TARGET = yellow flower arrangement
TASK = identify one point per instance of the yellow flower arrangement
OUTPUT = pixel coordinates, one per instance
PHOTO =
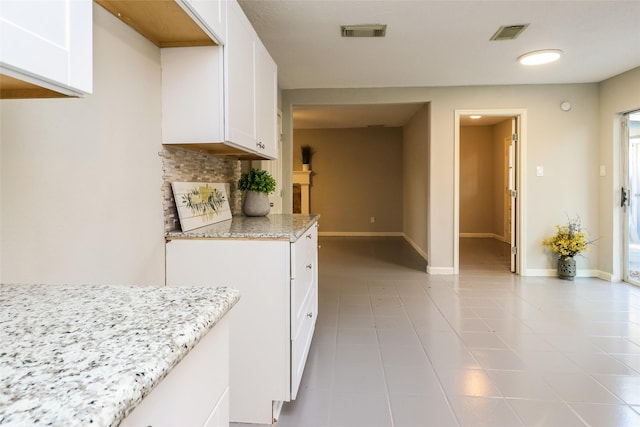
(569, 240)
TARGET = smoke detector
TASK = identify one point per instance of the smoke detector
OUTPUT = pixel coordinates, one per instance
(509, 32)
(369, 30)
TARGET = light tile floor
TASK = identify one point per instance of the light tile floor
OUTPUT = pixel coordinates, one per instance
(396, 347)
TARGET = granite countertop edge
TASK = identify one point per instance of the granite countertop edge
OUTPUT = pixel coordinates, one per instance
(100, 349)
(272, 227)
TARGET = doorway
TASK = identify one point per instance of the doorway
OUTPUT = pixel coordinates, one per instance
(487, 185)
(630, 197)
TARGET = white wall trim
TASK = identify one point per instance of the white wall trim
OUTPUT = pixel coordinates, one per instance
(361, 233)
(521, 162)
(609, 277)
(440, 271)
(483, 236)
(413, 244)
(552, 272)
(541, 272)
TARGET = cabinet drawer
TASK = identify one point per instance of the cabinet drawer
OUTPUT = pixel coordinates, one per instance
(302, 288)
(304, 266)
(306, 245)
(301, 342)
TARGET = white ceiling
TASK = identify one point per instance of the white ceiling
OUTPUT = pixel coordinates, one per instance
(444, 43)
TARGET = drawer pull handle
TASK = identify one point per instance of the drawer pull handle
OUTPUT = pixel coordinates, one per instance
(310, 315)
(309, 266)
(308, 236)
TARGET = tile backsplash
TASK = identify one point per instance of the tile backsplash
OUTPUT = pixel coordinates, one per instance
(183, 165)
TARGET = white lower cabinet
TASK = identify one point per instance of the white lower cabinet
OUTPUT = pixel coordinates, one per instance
(220, 415)
(272, 326)
(195, 392)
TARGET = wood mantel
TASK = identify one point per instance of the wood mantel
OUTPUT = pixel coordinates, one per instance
(303, 179)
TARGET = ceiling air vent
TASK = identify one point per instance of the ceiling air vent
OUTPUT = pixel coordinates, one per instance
(376, 30)
(509, 32)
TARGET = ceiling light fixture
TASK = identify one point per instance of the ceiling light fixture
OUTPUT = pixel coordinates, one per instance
(540, 57)
(475, 117)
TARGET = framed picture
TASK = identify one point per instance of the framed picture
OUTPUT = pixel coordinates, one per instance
(200, 203)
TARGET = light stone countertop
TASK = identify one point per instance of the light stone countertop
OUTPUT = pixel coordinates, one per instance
(87, 355)
(275, 227)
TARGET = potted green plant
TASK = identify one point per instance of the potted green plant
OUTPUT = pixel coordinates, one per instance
(257, 185)
(570, 240)
(307, 153)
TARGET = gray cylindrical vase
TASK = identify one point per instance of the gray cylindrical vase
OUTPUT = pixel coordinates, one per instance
(566, 268)
(255, 203)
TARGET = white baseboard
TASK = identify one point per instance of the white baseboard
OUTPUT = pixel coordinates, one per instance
(540, 272)
(413, 244)
(552, 272)
(608, 276)
(440, 270)
(482, 236)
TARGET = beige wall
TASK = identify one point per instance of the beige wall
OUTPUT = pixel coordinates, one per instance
(80, 197)
(415, 179)
(501, 131)
(81, 178)
(482, 180)
(357, 174)
(566, 144)
(477, 184)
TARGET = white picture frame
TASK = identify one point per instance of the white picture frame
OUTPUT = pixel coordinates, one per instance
(200, 203)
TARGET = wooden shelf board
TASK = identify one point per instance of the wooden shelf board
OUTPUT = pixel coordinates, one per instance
(219, 149)
(163, 22)
(12, 88)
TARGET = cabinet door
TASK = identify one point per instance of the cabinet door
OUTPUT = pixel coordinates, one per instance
(193, 389)
(220, 415)
(239, 53)
(266, 103)
(48, 43)
(209, 14)
(192, 95)
(260, 369)
(304, 301)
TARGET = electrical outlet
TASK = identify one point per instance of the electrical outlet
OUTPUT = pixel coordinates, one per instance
(373, 219)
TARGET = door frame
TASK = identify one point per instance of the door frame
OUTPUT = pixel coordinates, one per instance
(625, 138)
(520, 178)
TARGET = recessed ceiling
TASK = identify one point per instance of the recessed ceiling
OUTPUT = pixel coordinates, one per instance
(353, 116)
(482, 121)
(444, 43)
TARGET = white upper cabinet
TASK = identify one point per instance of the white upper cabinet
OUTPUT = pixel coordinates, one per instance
(239, 55)
(222, 99)
(210, 14)
(266, 102)
(192, 95)
(46, 48)
(252, 86)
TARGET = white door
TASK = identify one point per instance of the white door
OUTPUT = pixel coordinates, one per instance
(513, 193)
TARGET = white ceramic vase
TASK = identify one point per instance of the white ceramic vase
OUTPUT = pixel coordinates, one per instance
(255, 203)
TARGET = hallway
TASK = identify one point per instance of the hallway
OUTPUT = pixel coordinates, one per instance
(484, 256)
